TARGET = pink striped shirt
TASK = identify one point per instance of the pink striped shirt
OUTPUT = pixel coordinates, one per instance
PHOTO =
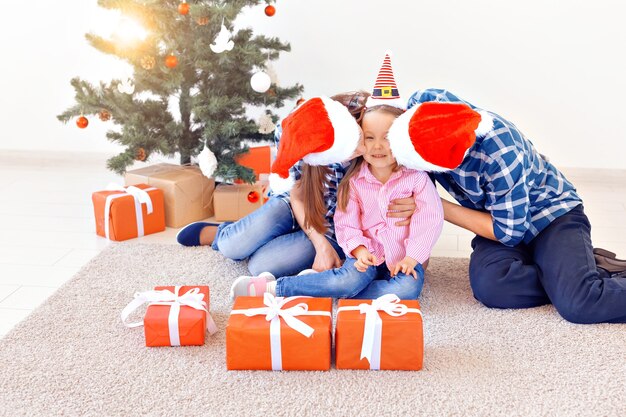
(365, 220)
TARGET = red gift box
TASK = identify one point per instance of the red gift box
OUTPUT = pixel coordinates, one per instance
(385, 333)
(130, 212)
(176, 316)
(258, 159)
(276, 333)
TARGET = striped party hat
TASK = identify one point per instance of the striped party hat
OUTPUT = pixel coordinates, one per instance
(385, 89)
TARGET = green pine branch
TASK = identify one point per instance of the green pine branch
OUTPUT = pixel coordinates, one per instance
(202, 100)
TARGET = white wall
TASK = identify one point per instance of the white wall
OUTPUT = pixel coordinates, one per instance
(554, 68)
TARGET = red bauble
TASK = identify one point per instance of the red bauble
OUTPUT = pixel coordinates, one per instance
(270, 10)
(183, 8)
(253, 197)
(82, 122)
(171, 61)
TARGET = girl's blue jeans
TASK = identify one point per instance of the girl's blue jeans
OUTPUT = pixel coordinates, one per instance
(271, 239)
(348, 282)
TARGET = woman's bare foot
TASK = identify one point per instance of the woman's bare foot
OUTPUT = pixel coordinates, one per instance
(207, 235)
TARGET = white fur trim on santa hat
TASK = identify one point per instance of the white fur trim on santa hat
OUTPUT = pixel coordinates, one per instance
(346, 137)
(281, 185)
(402, 147)
(486, 123)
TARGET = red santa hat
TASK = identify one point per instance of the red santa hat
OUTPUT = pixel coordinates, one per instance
(320, 132)
(385, 90)
(436, 136)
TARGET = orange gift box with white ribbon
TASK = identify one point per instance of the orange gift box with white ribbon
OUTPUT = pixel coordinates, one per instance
(128, 212)
(276, 333)
(176, 315)
(385, 333)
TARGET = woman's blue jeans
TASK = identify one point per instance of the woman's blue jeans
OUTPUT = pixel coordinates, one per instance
(348, 282)
(270, 238)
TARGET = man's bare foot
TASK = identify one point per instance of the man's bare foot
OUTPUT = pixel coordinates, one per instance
(207, 235)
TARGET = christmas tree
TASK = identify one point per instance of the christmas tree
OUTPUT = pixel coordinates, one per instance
(191, 64)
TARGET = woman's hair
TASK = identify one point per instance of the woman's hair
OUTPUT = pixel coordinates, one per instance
(343, 191)
(314, 179)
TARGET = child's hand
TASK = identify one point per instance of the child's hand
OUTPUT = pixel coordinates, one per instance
(407, 266)
(364, 259)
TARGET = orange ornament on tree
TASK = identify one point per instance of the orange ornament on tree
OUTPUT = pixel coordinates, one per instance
(183, 8)
(253, 197)
(270, 10)
(82, 122)
(171, 61)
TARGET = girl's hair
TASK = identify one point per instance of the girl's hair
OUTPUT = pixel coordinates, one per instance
(314, 179)
(343, 191)
(385, 108)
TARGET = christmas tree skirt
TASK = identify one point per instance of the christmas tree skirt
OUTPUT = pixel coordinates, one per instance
(73, 356)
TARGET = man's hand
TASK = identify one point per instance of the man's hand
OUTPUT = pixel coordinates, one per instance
(402, 208)
(326, 258)
(406, 266)
(364, 259)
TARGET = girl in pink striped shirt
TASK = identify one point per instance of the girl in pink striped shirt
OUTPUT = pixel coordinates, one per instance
(369, 238)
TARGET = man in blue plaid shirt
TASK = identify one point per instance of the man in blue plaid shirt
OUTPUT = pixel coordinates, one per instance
(532, 244)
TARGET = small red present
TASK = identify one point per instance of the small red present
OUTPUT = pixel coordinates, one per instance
(276, 333)
(128, 212)
(385, 333)
(258, 158)
(176, 316)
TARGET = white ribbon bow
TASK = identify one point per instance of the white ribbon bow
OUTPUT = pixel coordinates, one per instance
(192, 298)
(372, 336)
(140, 196)
(273, 313)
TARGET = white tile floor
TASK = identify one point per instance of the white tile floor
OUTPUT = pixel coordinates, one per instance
(47, 226)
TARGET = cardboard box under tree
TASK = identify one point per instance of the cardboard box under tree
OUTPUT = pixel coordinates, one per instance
(234, 201)
(187, 192)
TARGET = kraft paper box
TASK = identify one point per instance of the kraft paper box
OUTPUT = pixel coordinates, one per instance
(188, 193)
(258, 159)
(400, 339)
(191, 322)
(253, 342)
(234, 201)
(120, 214)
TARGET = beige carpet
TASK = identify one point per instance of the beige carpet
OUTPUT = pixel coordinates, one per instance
(72, 356)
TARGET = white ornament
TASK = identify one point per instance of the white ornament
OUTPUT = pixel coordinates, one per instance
(260, 82)
(222, 41)
(126, 87)
(207, 162)
(266, 125)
